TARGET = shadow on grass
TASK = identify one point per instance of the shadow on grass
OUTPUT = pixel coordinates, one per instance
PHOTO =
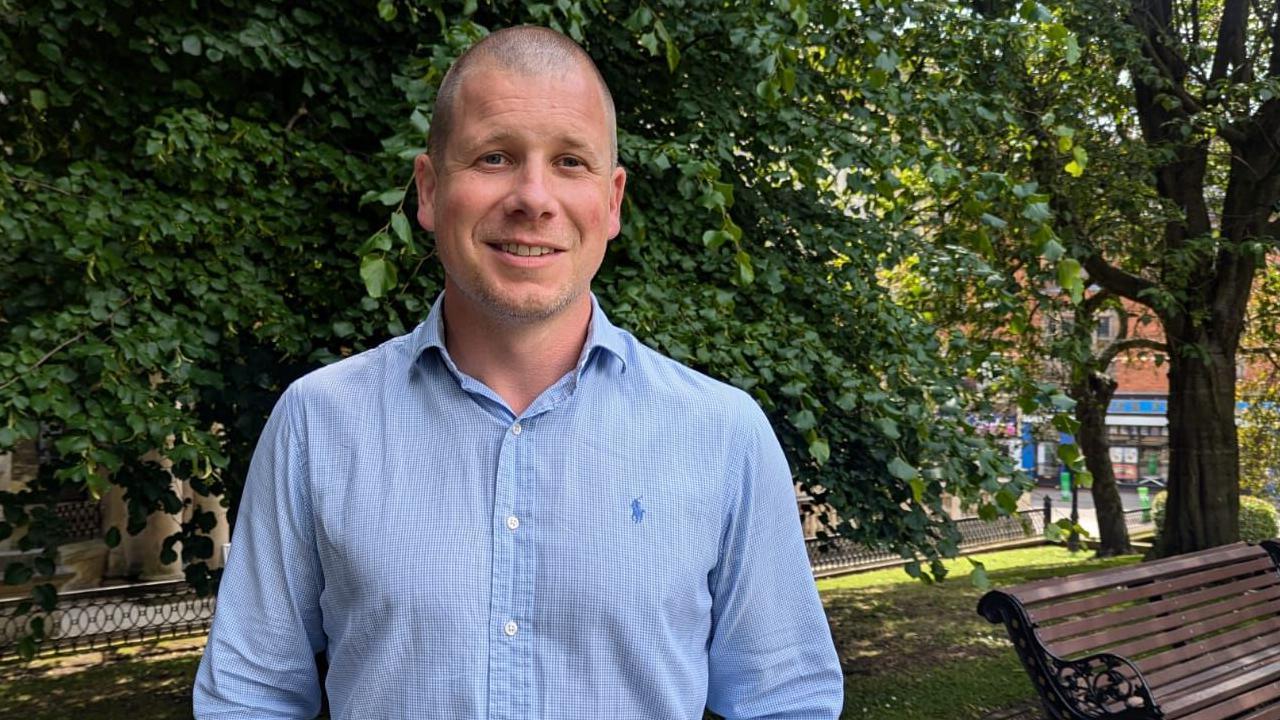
(121, 690)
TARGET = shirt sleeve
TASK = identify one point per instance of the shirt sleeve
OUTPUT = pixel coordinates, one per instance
(260, 658)
(771, 652)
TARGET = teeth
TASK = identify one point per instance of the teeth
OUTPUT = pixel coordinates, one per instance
(526, 250)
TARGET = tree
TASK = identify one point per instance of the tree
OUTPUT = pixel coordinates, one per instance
(1206, 98)
(1143, 138)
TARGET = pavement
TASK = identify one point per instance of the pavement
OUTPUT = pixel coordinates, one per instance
(1088, 515)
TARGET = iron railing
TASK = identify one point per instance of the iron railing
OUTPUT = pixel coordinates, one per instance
(106, 617)
(838, 554)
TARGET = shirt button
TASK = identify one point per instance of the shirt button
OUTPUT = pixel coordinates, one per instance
(513, 522)
(516, 429)
(510, 628)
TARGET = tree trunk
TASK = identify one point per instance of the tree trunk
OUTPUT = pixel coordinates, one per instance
(1093, 396)
(1204, 465)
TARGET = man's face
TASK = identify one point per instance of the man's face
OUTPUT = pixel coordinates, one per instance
(525, 196)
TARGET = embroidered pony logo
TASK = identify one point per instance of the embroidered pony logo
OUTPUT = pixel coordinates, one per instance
(637, 511)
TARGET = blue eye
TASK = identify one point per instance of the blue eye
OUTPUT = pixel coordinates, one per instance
(571, 162)
(493, 159)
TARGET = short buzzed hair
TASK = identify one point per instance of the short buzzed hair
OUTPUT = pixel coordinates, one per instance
(527, 49)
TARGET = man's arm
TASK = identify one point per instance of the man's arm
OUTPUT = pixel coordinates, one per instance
(260, 658)
(771, 652)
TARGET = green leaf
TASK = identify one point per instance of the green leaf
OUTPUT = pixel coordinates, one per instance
(387, 10)
(378, 274)
(191, 45)
(978, 576)
(902, 469)
(419, 121)
(804, 420)
(820, 451)
(45, 596)
(746, 273)
(800, 15)
(1052, 250)
(673, 55)
(888, 427)
(1037, 212)
(1069, 277)
(917, 489)
(715, 238)
(400, 224)
(112, 538)
(1069, 454)
(343, 328)
(17, 573)
(39, 100)
(98, 485)
(1084, 479)
(650, 42)
(1074, 169)
(391, 197)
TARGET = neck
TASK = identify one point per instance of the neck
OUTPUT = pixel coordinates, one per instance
(517, 360)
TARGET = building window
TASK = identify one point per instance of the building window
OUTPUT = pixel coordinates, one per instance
(1105, 329)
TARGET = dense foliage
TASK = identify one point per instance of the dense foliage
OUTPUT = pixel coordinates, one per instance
(200, 203)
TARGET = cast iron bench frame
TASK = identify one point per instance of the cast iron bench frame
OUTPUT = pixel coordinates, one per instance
(1192, 637)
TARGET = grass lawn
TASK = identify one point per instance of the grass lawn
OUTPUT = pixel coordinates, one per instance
(921, 652)
(910, 652)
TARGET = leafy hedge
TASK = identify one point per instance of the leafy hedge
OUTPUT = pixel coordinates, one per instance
(1259, 519)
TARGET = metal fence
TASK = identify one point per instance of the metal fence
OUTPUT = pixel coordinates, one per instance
(83, 519)
(105, 617)
(826, 556)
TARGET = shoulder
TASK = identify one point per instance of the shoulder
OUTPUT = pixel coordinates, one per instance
(355, 380)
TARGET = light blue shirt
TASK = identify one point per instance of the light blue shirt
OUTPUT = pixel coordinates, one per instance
(628, 547)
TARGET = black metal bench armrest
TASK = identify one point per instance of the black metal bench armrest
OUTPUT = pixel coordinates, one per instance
(1083, 689)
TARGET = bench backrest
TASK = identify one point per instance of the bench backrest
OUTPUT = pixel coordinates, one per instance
(1174, 618)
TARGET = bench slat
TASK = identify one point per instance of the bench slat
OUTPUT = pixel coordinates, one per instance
(1228, 698)
(1270, 713)
(1217, 645)
(1041, 590)
(1145, 635)
(1149, 589)
(1190, 632)
(1140, 612)
(1228, 655)
(1210, 673)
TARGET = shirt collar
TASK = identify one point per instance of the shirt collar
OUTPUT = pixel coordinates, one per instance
(600, 334)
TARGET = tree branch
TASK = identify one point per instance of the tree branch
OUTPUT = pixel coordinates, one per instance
(1124, 284)
(1230, 51)
(1110, 352)
(65, 343)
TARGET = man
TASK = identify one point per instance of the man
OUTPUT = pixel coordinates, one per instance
(518, 510)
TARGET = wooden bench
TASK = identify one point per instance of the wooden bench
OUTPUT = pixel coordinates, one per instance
(1192, 637)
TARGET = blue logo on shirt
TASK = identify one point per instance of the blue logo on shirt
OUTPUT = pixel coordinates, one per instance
(637, 511)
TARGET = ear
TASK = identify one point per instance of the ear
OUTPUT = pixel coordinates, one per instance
(617, 184)
(425, 175)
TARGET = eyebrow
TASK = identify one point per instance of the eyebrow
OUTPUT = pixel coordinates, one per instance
(575, 142)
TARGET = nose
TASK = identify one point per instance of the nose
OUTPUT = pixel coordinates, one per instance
(530, 197)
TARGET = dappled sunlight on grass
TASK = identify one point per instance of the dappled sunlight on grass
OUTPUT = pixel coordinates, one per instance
(922, 652)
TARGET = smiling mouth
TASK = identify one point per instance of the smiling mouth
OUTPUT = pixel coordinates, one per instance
(525, 250)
